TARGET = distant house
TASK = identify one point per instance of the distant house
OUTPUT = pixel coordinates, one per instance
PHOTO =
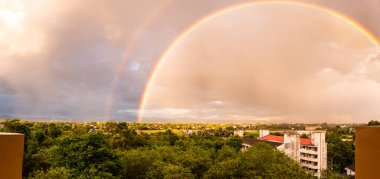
(188, 132)
(210, 131)
(311, 152)
(239, 133)
(350, 170)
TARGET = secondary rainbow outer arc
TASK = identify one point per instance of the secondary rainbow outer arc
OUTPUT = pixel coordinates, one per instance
(195, 25)
(119, 72)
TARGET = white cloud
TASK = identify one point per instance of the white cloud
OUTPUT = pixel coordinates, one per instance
(217, 103)
(134, 67)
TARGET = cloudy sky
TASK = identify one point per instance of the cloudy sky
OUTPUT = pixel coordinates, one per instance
(91, 60)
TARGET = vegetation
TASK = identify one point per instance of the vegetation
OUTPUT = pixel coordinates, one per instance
(373, 123)
(117, 150)
(304, 136)
(253, 135)
(340, 153)
(276, 133)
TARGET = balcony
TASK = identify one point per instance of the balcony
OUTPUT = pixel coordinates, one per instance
(309, 151)
(310, 166)
(309, 158)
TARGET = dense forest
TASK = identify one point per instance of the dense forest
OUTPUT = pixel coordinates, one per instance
(121, 150)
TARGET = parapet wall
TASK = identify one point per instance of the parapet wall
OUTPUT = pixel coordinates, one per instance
(367, 152)
(11, 155)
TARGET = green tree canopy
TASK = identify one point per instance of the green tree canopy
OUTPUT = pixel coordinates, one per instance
(86, 156)
(373, 123)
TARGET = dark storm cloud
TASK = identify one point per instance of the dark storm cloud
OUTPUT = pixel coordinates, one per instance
(71, 74)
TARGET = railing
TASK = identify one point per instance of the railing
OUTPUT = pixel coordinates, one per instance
(309, 158)
(309, 151)
(310, 166)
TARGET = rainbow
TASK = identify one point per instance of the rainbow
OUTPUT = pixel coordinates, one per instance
(129, 49)
(195, 25)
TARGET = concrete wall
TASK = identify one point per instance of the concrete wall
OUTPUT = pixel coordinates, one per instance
(318, 139)
(239, 133)
(11, 155)
(292, 145)
(263, 132)
(367, 152)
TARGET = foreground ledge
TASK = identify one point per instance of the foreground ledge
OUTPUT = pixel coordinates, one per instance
(11, 155)
(367, 152)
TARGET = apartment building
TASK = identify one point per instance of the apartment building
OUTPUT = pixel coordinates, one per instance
(310, 152)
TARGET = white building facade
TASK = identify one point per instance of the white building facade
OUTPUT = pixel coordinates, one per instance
(310, 152)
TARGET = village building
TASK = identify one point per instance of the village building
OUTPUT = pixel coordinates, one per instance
(350, 170)
(239, 133)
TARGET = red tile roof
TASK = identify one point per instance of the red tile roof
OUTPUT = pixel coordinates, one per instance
(273, 138)
(252, 141)
(305, 141)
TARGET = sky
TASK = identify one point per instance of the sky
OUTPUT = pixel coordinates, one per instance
(91, 60)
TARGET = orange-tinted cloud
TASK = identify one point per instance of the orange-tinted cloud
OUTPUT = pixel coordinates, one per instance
(58, 58)
(286, 62)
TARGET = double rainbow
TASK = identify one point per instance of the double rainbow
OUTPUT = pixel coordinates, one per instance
(228, 9)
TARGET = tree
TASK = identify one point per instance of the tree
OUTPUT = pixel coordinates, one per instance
(304, 136)
(235, 142)
(254, 135)
(196, 159)
(227, 152)
(373, 123)
(333, 174)
(115, 150)
(18, 127)
(161, 169)
(340, 153)
(164, 138)
(166, 161)
(226, 164)
(128, 139)
(264, 161)
(61, 173)
(137, 162)
(276, 133)
(228, 168)
(87, 155)
(54, 130)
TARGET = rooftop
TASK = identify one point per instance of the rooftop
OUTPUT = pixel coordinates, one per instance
(305, 141)
(351, 167)
(8, 133)
(273, 138)
(252, 141)
(280, 139)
